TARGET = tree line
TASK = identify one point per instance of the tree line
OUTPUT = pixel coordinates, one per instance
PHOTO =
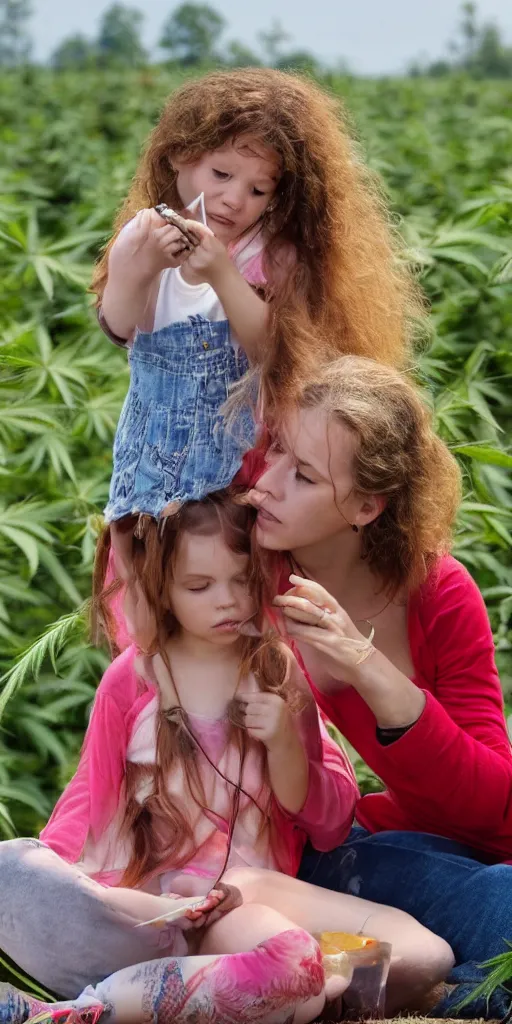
(190, 36)
(193, 35)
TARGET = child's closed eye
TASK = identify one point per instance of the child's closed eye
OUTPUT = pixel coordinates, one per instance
(304, 479)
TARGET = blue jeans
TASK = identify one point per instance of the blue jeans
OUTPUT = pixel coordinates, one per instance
(443, 885)
(172, 442)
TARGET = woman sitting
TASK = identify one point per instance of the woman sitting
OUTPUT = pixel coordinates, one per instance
(362, 496)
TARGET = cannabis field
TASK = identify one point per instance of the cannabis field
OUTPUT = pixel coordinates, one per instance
(69, 144)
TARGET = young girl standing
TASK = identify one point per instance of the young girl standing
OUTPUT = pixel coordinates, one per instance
(295, 264)
(204, 760)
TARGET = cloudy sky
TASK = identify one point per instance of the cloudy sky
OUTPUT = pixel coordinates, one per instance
(373, 36)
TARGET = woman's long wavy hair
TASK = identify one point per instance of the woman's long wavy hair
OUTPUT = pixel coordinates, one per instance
(154, 549)
(338, 281)
(398, 455)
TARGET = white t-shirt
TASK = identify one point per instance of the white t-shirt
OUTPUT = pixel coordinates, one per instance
(177, 300)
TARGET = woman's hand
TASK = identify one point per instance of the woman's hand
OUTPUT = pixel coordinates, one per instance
(315, 618)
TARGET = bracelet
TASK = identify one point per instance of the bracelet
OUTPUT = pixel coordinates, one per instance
(366, 654)
(364, 647)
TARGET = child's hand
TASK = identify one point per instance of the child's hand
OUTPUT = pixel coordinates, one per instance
(268, 719)
(198, 918)
(216, 903)
(187, 916)
(210, 258)
(150, 244)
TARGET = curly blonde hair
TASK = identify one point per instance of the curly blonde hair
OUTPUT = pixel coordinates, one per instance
(398, 455)
(346, 286)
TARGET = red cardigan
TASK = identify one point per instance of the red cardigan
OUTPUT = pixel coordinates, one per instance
(451, 773)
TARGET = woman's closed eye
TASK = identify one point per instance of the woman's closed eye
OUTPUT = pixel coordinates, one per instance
(303, 479)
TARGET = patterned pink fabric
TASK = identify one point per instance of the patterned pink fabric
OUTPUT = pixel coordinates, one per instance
(262, 986)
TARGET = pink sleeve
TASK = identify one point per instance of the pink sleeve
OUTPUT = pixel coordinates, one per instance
(328, 812)
(91, 798)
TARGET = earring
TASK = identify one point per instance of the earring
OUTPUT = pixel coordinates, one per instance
(354, 527)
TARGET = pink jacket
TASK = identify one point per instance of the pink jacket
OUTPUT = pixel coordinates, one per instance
(91, 799)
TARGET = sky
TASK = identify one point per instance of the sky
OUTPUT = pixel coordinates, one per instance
(372, 36)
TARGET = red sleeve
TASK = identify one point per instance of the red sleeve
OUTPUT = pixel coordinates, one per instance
(453, 770)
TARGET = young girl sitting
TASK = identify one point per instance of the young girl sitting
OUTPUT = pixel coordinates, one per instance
(204, 760)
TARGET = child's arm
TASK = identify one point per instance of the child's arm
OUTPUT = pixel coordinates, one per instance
(269, 720)
(328, 786)
(248, 314)
(143, 249)
(328, 813)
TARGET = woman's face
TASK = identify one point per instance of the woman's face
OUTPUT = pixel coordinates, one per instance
(309, 486)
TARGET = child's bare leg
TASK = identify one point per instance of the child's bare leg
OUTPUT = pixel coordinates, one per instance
(121, 540)
(419, 960)
(246, 928)
(140, 621)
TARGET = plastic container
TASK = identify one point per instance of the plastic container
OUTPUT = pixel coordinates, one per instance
(363, 962)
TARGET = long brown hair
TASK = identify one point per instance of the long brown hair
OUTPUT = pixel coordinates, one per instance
(397, 454)
(154, 548)
(332, 258)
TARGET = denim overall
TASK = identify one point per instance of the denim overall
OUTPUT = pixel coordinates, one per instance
(172, 443)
